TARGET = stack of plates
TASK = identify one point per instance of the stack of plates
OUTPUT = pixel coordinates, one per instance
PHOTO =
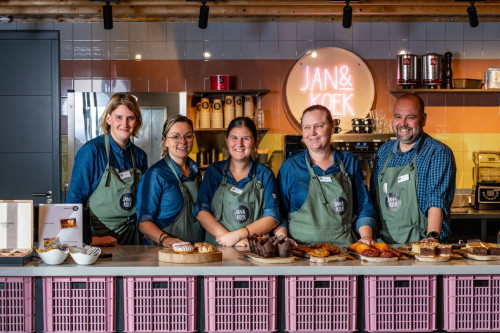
(204, 113)
(217, 117)
(228, 110)
(238, 106)
(248, 106)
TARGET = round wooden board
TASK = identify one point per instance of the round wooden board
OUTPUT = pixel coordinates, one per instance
(168, 255)
(272, 260)
(432, 259)
(327, 259)
(481, 258)
(378, 259)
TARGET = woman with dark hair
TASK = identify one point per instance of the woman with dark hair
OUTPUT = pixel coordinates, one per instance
(107, 171)
(323, 192)
(238, 196)
(169, 189)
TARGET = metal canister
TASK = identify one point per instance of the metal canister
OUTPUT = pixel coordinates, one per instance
(407, 70)
(432, 70)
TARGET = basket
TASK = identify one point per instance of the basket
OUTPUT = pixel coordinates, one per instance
(16, 304)
(240, 303)
(400, 303)
(160, 304)
(79, 304)
(320, 303)
(471, 303)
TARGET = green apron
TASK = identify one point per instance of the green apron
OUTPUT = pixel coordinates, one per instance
(401, 219)
(236, 208)
(327, 214)
(185, 227)
(112, 205)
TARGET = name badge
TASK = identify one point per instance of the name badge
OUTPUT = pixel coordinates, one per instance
(125, 175)
(325, 179)
(404, 178)
(236, 190)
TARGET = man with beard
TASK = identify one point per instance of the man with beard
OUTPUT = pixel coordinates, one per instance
(413, 179)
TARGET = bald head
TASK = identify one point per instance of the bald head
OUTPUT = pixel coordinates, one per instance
(417, 100)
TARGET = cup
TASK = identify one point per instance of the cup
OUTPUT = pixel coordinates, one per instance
(356, 121)
(336, 122)
(336, 130)
(367, 121)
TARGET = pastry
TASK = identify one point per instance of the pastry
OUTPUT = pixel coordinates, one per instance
(319, 252)
(382, 246)
(334, 250)
(443, 250)
(386, 254)
(206, 247)
(183, 247)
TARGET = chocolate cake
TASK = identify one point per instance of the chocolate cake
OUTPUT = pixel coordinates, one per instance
(479, 250)
(495, 251)
(428, 250)
(443, 250)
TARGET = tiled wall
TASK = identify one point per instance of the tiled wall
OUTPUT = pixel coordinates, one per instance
(170, 56)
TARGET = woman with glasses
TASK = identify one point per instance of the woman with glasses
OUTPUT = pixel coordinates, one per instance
(169, 189)
(238, 196)
(106, 174)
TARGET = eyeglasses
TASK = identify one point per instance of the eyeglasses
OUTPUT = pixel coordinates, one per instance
(177, 137)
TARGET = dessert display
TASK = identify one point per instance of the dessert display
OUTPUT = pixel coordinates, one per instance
(482, 251)
(377, 250)
(205, 247)
(431, 251)
(319, 250)
(187, 253)
(183, 247)
(268, 247)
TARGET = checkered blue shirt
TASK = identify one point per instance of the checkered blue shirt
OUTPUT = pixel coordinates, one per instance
(436, 174)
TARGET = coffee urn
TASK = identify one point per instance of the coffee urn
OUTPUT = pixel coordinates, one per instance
(432, 70)
(407, 70)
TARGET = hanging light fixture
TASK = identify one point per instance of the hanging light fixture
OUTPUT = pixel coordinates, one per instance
(347, 15)
(471, 12)
(107, 15)
(203, 19)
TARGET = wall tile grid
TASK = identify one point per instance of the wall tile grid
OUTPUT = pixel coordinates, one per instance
(170, 56)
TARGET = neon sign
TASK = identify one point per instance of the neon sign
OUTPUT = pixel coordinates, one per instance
(333, 77)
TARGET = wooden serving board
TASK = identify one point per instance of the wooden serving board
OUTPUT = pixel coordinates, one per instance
(478, 257)
(432, 259)
(339, 257)
(453, 256)
(378, 259)
(271, 260)
(168, 255)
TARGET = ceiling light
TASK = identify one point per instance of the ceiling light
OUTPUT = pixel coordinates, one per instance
(6, 19)
(107, 15)
(473, 19)
(347, 15)
(203, 19)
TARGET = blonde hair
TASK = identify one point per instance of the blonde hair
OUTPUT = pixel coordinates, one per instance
(130, 101)
(168, 125)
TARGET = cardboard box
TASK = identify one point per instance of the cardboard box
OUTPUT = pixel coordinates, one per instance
(63, 221)
(16, 232)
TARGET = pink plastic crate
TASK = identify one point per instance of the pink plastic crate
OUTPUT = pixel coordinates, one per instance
(160, 304)
(16, 304)
(320, 303)
(400, 303)
(471, 303)
(240, 303)
(79, 304)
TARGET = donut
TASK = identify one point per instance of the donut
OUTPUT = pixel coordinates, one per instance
(183, 247)
(207, 248)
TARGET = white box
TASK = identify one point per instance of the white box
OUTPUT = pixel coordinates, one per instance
(60, 220)
(492, 78)
(16, 231)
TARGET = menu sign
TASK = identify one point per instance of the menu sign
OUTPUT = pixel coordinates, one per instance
(333, 77)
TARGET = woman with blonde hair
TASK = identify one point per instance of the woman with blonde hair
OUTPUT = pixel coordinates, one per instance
(107, 171)
(169, 189)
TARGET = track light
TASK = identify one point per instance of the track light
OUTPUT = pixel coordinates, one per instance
(6, 19)
(347, 16)
(107, 15)
(473, 19)
(203, 20)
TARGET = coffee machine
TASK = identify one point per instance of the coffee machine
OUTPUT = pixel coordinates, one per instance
(363, 146)
(486, 179)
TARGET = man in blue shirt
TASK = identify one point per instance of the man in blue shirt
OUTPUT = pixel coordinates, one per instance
(413, 180)
(323, 193)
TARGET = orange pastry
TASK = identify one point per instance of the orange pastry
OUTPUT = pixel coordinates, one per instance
(361, 247)
(319, 252)
(382, 246)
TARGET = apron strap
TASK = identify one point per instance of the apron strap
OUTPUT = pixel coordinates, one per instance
(314, 177)
(181, 185)
(108, 168)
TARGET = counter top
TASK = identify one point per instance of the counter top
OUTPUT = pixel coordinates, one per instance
(142, 260)
(471, 213)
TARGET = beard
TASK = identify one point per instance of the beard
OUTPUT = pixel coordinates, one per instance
(412, 137)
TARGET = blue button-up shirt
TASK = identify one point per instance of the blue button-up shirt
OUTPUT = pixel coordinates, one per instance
(436, 172)
(159, 197)
(90, 164)
(213, 179)
(294, 178)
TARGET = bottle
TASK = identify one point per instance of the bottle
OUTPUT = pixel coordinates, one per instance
(259, 117)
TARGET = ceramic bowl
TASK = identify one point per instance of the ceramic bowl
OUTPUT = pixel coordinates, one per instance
(82, 258)
(53, 257)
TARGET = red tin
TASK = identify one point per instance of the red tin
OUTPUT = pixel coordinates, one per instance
(219, 82)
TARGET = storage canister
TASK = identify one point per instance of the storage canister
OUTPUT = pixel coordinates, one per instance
(407, 70)
(219, 82)
(432, 70)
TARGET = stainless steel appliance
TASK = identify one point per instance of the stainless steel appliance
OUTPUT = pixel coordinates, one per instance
(407, 70)
(85, 108)
(364, 146)
(486, 178)
(432, 70)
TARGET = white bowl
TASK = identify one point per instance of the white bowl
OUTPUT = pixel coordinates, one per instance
(53, 257)
(83, 259)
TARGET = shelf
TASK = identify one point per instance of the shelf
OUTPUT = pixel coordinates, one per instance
(433, 91)
(231, 92)
(263, 129)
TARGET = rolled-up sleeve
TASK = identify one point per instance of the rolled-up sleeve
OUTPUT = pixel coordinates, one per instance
(440, 186)
(271, 201)
(149, 197)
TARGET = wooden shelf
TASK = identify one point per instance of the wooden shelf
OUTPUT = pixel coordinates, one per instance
(434, 91)
(263, 129)
(257, 92)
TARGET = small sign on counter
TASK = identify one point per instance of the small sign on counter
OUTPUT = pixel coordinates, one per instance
(62, 222)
